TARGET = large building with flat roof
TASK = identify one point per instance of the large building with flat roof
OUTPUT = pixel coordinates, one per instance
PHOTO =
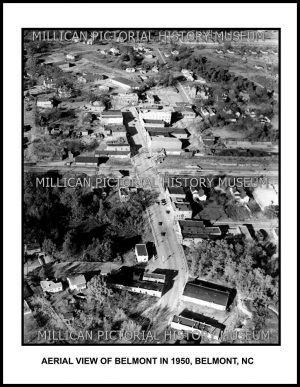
(157, 114)
(112, 117)
(194, 231)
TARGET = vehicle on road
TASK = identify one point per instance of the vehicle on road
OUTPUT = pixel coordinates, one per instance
(160, 223)
(163, 233)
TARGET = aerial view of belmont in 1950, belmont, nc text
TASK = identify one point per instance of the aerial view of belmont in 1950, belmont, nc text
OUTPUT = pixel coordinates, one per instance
(151, 187)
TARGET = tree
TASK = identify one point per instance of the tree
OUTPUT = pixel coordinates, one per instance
(49, 247)
(98, 290)
(129, 331)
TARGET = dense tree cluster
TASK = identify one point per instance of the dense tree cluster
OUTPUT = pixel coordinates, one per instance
(249, 267)
(78, 224)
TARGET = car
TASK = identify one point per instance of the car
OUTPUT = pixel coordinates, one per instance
(160, 223)
(163, 233)
(168, 211)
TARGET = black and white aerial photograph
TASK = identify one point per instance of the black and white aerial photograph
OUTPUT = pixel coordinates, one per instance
(150, 193)
(151, 186)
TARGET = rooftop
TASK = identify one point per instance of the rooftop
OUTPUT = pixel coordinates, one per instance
(200, 322)
(77, 280)
(111, 113)
(176, 190)
(141, 249)
(155, 276)
(208, 293)
(197, 229)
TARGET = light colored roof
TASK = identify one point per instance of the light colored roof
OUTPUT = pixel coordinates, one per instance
(77, 280)
(48, 285)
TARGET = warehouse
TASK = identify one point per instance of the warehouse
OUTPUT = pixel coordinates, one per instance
(206, 294)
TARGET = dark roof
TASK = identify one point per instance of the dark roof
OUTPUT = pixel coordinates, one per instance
(206, 293)
(112, 113)
(141, 249)
(88, 159)
(77, 280)
(178, 130)
(156, 276)
(197, 229)
(149, 121)
(176, 190)
(158, 132)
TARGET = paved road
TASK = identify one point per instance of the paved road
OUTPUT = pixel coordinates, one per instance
(170, 254)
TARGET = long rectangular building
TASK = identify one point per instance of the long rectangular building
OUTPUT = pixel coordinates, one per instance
(196, 231)
(202, 325)
(207, 294)
(154, 289)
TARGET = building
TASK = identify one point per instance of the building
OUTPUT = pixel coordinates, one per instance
(154, 277)
(123, 154)
(176, 192)
(115, 131)
(188, 74)
(150, 123)
(125, 99)
(124, 83)
(171, 145)
(156, 113)
(70, 56)
(33, 248)
(112, 117)
(182, 209)
(180, 133)
(206, 294)
(194, 231)
(77, 282)
(245, 231)
(44, 102)
(118, 144)
(203, 325)
(186, 112)
(114, 51)
(141, 253)
(96, 106)
(154, 289)
(87, 161)
(51, 287)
